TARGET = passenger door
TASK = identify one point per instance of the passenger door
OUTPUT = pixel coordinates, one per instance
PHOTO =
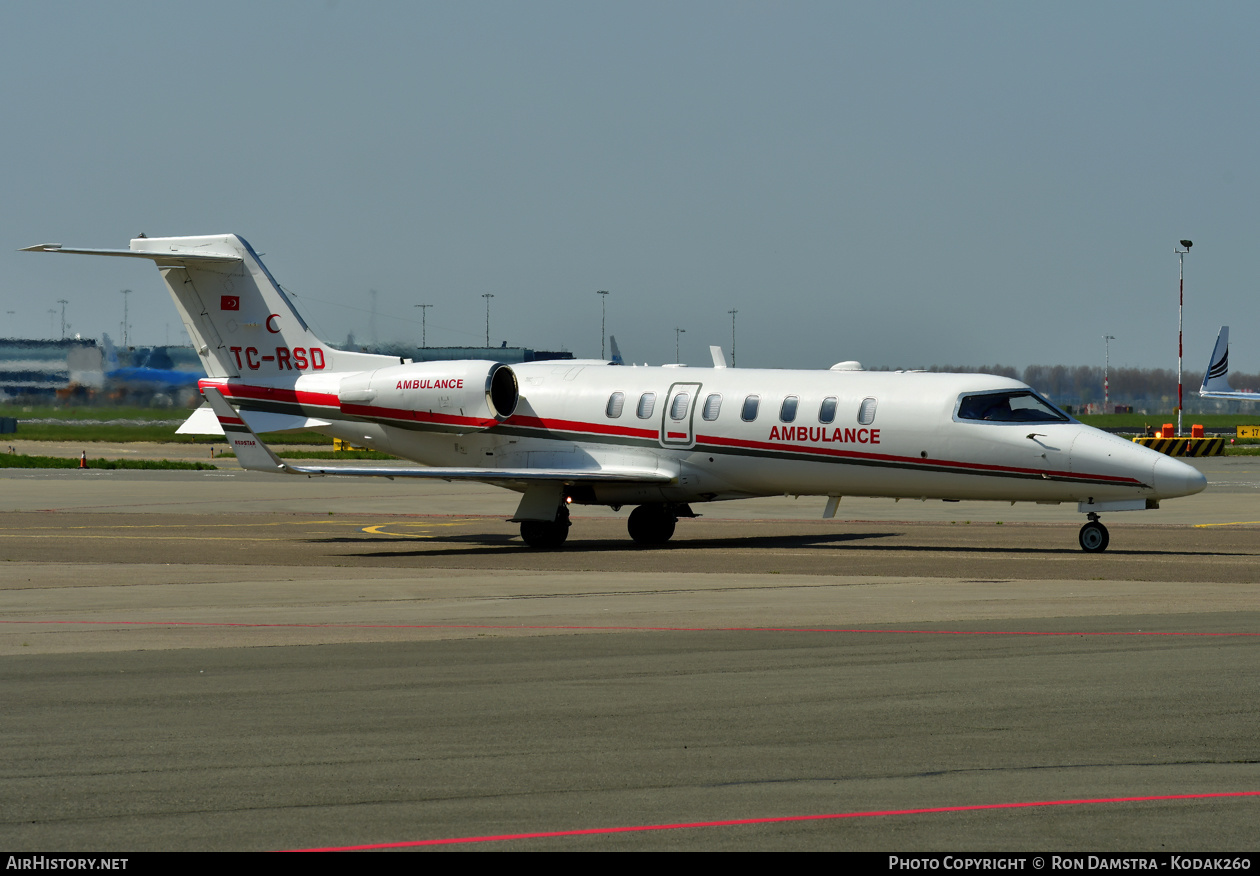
(677, 414)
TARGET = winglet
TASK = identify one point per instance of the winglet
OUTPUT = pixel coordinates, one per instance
(251, 453)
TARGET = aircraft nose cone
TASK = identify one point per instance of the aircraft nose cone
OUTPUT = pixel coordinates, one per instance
(1175, 478)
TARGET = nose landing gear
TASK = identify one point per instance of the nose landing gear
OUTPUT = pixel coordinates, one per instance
(1094, 536)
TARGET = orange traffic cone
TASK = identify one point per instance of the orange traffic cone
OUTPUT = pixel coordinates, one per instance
(83, 459)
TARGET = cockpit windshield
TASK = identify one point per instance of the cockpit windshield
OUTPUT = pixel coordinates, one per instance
(1018, 406)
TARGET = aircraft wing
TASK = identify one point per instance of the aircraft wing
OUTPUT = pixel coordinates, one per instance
(253, 454)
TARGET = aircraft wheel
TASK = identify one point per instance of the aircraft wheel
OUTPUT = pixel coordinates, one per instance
(1094, 537)
(546, 534)
(651, 525)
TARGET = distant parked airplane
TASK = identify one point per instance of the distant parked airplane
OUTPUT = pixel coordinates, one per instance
(1216, 378)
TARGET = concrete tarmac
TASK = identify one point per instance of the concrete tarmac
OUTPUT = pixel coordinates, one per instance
(228, 660)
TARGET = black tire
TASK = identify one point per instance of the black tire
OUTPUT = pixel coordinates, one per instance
(1094, 537)
(546, 534)
(651, 525)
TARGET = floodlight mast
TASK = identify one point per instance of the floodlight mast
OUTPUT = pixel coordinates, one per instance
(603, 314)
(126, 320)
(1181, 303)
(424, 335)
(1107, 339)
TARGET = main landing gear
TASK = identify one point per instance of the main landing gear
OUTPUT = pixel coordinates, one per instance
(1094, 536)
(654, 524)
(651, 524)
(546, 534)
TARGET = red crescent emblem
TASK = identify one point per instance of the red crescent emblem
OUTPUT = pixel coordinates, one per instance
(274, 331)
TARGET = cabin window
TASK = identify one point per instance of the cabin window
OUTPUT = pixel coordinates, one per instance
(787, 411)
(712, 405)
(749, 413)
(827, 410)
(678, 409)
(1019, 406)
(647, 401)
(615, 403)
(866, 413)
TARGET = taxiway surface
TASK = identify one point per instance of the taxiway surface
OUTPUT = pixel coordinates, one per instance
(227, 660)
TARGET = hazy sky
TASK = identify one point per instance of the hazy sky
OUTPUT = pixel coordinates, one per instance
(899, 183)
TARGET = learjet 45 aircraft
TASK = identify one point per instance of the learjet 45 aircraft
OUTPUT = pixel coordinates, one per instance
(658, 438)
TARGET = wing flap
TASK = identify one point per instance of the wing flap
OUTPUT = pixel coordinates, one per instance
(490, 475)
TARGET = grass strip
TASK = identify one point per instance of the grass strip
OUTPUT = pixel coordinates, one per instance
(155, 434)
(19, 460)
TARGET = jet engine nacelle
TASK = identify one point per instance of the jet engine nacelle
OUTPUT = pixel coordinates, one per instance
(470, 395)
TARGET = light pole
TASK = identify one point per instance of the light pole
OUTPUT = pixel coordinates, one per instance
(732, 313)
(372, 318)
(1107, 339)
(423, 337)
(126, 327)
(1181, 301)
(603, 313)
(487, 296)
(677, 333)
(63, 302)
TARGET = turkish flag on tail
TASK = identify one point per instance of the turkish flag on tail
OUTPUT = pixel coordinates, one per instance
(230, 302)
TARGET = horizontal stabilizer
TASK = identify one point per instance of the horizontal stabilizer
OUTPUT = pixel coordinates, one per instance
(161, 258)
